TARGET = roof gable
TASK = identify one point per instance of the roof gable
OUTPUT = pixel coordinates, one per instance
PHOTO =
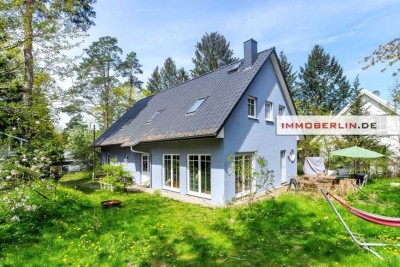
(371, 99)
(223, 88)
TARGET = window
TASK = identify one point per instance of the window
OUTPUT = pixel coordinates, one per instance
(145, 162)
(171, 171)
(243, 172)
(108, 159)
(126, 158)
(154, 115)
(281, 111)
(251, 107)
(200, 174)
(196, 105)
(268, 111)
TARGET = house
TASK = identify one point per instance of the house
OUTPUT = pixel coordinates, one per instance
(180, 139)
(376, 106)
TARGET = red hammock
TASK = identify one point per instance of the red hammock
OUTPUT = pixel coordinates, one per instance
(382, 220)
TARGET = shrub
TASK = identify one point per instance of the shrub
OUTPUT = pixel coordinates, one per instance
(116, 175)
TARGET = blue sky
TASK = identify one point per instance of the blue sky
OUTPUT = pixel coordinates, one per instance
(348, 30)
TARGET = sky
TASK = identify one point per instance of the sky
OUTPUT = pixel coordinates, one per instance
(348, 30)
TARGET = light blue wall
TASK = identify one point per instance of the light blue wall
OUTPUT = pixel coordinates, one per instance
(133, 164)
(212, 146)
(243, 134)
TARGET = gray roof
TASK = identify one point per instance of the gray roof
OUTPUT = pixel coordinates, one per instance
(222, 88)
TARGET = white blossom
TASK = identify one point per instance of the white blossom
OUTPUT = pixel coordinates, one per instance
(15, 218)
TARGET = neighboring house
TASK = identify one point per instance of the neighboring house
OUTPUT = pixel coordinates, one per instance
(9, 144)
(180, 139)
(376, 106)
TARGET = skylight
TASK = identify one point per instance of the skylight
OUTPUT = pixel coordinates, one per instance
(196, 105)
(155, 114)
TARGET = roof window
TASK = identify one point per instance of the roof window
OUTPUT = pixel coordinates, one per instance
(155, 114)
(196, 105)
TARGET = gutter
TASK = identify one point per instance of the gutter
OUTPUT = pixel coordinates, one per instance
(137, 151)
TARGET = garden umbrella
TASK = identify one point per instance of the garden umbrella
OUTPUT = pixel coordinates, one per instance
(357, 152)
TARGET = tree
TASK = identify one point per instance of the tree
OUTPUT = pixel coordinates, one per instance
(288, 74)
(154, 83)
(169, 74)
(78, 143)
(167, 77)
(212, 52)
(182, 76)
(129, 68)
(42, 29)
(388, 54)
(322, 86)
(97, 90)
(395, 93)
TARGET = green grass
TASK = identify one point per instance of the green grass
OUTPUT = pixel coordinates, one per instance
(149, 230)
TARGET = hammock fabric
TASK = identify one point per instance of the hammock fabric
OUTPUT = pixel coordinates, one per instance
(382, 220)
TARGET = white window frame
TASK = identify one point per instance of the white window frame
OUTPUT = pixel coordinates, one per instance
(254, 109)
(198, 193)
(244, 192)
(126, 158)
(281, 107)
(163, 173)
(271, 113)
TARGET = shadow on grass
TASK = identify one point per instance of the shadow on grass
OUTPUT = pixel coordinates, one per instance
(85, 185)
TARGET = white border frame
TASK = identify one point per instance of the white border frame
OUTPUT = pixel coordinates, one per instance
(271, 119)
(193, 193)
(163, 174)
(255, 107)
(148, 167)
(253, 165)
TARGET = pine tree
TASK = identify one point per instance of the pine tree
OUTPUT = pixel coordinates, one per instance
(358, 108)
(182, 75)
(212, 52)
(322, 86)
(169, 74)
(154, 83)
(98, 91)
(288, 74)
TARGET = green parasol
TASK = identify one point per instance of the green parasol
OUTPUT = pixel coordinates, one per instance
(357, 152)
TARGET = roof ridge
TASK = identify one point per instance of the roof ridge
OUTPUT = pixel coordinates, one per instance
(176, 85)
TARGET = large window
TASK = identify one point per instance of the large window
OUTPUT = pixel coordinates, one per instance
(200, 174)
(251, 107)
(171, 171)
(268, 111)
(243, 172)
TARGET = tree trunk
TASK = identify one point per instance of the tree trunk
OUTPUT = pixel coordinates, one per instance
(27, 50)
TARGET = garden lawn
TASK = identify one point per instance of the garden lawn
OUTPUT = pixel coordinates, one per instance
(294, 229)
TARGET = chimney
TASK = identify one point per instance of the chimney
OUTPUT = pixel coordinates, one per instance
(250, 53)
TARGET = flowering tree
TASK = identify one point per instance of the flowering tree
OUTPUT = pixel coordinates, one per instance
(20, 177)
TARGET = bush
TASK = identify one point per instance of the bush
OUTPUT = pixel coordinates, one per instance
(116, 175)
